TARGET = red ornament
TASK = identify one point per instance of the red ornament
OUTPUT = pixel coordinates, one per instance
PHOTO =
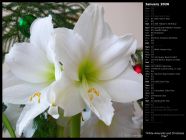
(137, 68)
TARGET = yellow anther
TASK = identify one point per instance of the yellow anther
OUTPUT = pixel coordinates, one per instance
(97, 93)
(38, 94)
(89, 90)
(91, 97)
(30, 98)
(92, 92)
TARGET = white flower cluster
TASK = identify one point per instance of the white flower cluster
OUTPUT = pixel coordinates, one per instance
(71, 69)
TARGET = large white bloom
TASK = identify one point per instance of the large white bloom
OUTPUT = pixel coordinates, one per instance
(31, 68)
(122, 125)
(96, 67)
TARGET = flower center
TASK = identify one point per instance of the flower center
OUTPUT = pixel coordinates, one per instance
(88, 70)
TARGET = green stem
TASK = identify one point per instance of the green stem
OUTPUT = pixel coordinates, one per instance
(75, 125)
(60, 131)
(7, 124)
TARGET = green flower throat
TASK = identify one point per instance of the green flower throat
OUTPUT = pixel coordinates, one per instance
(51, 73)
(88, 70)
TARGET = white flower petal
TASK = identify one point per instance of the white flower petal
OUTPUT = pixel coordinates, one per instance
(129, 73)
(42, 36)
(101, 105)
(19, 94)
(17, 91)
(72, 102)
(50, 50)
(86, 114)
(132, 48)
(114, 68)
(29, 113)
(91, 25)
(28, 63)
(9, 78)
(66, 95)
(56, 87)
(53, 111)
(121, 126)
(126, 89)
(6, 68)
(114, 55)
(41, 31)
(70, 49)
(29, 130)
(58, 70)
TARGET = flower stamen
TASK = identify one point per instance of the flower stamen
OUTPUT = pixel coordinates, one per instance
(38, 94)
(92, 92)
(91, 97)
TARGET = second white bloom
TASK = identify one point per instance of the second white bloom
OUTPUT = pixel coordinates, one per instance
(29, 71)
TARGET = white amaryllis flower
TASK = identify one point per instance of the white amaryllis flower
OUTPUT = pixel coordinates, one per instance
(121, 126)
(96, 67)
(31, 68)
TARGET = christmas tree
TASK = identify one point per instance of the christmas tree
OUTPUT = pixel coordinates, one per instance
(18, 16)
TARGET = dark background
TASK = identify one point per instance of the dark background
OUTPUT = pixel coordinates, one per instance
(170, 123)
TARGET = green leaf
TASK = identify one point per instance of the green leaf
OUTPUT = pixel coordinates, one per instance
(45, 127)
(8, 125)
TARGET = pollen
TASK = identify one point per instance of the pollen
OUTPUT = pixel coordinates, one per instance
(91, 97)
(92, 92)
(30, 98)
(36, 94)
